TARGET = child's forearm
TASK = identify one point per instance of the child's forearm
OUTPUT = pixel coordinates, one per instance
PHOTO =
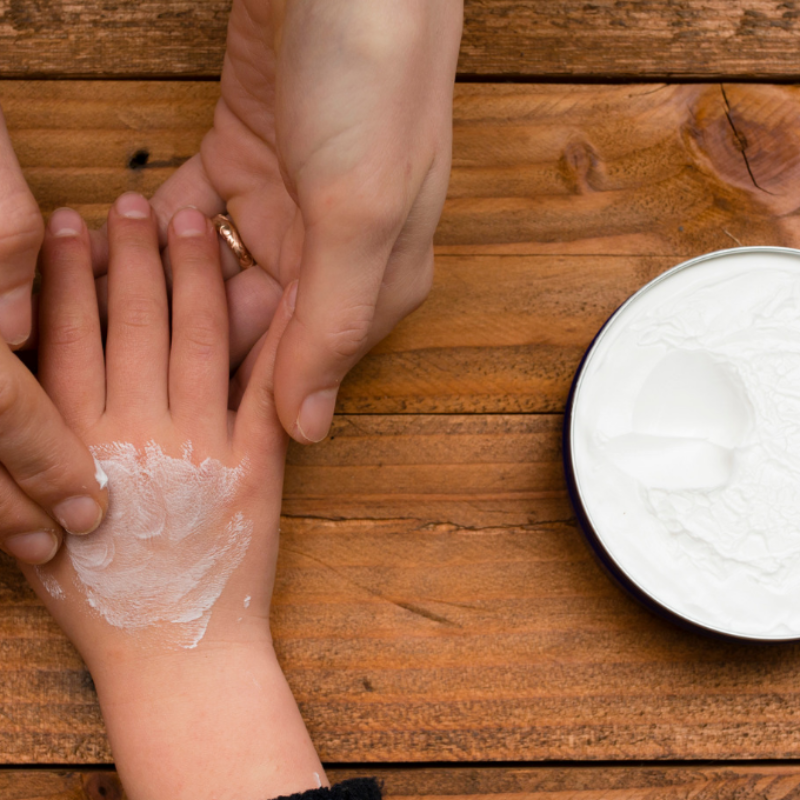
(216, 722)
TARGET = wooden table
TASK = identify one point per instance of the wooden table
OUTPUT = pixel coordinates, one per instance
(440, 620)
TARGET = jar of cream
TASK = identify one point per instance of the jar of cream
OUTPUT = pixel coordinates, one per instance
(682, 444)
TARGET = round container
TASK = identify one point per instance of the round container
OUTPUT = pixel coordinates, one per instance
(682, 444)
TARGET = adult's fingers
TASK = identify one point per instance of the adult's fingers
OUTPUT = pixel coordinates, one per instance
(340, 281)
(27, 533)
(21, 232)
(43, 455)
(361, 273)
(406, 290)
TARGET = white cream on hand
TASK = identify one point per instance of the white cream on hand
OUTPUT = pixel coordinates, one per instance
(168, 544)
(685, 441)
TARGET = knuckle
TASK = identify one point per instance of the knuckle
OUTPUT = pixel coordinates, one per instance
(351, 209)
(71, 331)
(139, 311)
(37, 474)
(202, 341)
(23, 227)
(350, 338)
(384, 219)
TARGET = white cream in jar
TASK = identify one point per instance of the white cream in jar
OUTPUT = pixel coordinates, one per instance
(683, 443)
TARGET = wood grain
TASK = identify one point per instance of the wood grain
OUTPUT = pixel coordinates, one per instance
(709, 782)
(470, 471)
(563, 201)
(610, 39)
(632, 40)
(435, 602)
(625, 170)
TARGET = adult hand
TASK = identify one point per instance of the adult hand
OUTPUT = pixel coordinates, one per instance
(47, 475)
(331, 151)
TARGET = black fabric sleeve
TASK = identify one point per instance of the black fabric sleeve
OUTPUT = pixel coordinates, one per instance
(354, 789)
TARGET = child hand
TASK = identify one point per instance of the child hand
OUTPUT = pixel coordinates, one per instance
(168, 601)
(194, 486)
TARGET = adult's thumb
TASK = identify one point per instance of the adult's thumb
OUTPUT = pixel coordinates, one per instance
(21, 235)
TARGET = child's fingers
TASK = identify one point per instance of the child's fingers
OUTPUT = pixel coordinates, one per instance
(241, 378)
(137, 349)
(71, 363)
(198, 374)
(257, 432)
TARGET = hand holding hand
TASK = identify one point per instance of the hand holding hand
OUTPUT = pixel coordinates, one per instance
(331, 151)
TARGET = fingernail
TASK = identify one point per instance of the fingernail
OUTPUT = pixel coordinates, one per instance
(190, 222)
(15, 315)
(78, 515)
(37, 547)
(65, 222)
(316, 415)
(291, 296)
(133, 206)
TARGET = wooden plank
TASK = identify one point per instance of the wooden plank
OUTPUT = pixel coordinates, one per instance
(458, 470)
(631, 39)
(709, 782)
(497, 334)
(668, 169)
(563, 201)
(435, 602)
(612, 39)
(627, 170)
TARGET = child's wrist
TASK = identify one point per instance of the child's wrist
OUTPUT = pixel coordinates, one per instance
(169, 716)
(150, 669)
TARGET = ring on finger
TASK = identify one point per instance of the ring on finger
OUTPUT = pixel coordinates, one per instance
(230, 235)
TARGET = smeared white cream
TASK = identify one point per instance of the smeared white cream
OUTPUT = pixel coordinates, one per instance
(168, 544)
(100, 475)
(686, 442)
(50, 583)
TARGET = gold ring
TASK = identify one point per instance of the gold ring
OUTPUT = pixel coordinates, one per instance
(227, 230)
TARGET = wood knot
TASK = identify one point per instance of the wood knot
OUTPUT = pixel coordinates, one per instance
(749, 137)
(103, 786)
(139, 159)
(581, 168)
